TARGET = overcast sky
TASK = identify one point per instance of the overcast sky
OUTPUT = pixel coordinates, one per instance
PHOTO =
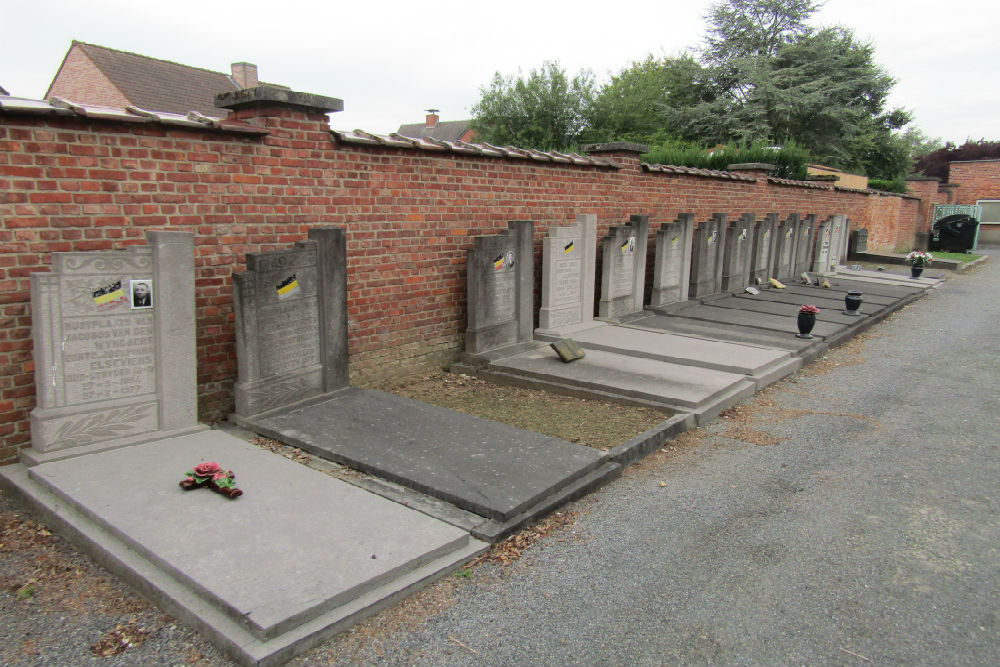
(389, 61)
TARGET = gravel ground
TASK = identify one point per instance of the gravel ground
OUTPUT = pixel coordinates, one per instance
(849, 514)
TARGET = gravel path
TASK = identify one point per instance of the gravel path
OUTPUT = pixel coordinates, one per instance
(847, 515)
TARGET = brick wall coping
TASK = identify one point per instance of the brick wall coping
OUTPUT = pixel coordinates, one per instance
(58, 106)
(989, 159)
(394, 140)
(694, 171)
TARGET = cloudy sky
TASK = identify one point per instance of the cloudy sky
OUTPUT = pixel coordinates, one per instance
(389, 61)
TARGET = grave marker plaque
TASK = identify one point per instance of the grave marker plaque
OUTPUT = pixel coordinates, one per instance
(736, 259)
(569, 255)
(706, 257)
(824, 247)
(500, 289)
(114, 348)
(623, 275)
(672, 266)
(291, 323)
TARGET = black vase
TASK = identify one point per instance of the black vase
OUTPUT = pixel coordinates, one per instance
(915, 271)
(806, 323)
(852, 302)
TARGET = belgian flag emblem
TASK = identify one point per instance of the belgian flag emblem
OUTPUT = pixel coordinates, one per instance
(568, 248)
(288, 287)
(498, 262)
(109, 293)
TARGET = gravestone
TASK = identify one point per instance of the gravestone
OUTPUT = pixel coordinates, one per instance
(736, 257)
(500, 289)
(842, 232)
(805, 232)
(760, 255)
(859, 242)
(623, 275)
(706, 257)
(672, 266)
(569, 265)
(114, 348)
(291, 323)
(826, 247)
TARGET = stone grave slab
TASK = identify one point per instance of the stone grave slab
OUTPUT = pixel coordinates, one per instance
(830, 310)
(623, 274)
(114, 348)
(764, 365)
(889, 278)
(569, 265)
(757, 320)
(701, 391)
(680, 324)
(494, 470)
(822, 298)
(672, 264)
(266, 575)
(899, 288)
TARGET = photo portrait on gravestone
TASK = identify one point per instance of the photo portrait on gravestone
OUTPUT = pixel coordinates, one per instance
(142, 293)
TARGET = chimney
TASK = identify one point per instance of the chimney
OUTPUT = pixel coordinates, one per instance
(245, 75)
(432, 118)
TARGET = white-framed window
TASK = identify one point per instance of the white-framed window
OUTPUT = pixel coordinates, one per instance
(990, 211)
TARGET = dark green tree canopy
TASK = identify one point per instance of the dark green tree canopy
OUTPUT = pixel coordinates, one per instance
(545, 111)
(764, 77)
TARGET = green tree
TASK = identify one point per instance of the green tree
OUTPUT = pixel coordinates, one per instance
(631, 106)
(545, 111)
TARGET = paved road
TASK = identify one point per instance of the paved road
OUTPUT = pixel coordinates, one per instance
(869, 535)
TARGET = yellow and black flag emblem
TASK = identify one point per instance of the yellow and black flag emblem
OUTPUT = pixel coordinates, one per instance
(288, 287)
(109, 293)
(568, 248)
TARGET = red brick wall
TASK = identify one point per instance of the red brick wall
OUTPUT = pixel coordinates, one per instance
(79, 80)
(976, 180)
(73, 184)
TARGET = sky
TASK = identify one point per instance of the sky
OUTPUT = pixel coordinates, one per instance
(390, 61)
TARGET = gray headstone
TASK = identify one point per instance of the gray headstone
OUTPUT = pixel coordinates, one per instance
(736, 258)
(291, 323)
(859, 241)
(760, 255)
(843, 227)
(805, 233)
(672, 266)
(569, 265)
(706, 257)
(824, 247)
(500, 289)
(114, 345)
(623, 276)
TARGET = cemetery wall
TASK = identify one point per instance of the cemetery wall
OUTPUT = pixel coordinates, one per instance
(73, 184)
(977, 179)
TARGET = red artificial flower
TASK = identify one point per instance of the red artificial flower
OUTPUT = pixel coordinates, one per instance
(207, 469)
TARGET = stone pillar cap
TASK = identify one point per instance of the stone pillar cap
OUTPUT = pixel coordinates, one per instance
(751, 166)
(615, 147)
(274, 96)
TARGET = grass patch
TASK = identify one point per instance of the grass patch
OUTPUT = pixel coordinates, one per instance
(956, 256)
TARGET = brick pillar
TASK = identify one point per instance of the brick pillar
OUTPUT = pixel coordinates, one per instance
(950, 191)
(624, 153)
(293, 118)
(926, 188)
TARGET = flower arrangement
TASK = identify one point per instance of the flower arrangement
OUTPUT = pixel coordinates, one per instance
(812, 310)
(919, 258)
(211, 475)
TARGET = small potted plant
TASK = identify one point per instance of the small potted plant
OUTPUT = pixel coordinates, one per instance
(806, 321)
(918, 259)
